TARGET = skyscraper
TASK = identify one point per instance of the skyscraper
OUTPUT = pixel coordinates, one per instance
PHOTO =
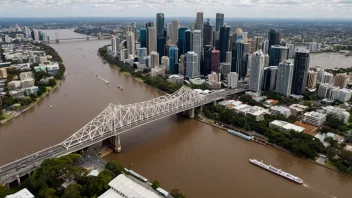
(219, 21)
(191, 64)
(208, 33)
(152, 45)
(173, 60)
(224, 42)
(239, 34)
(232, 80)
(312, 79)
(197, 47)
(181, 66)
(206, 66)
(284, 78)
(269, 80)
(215, 61)
(341, 80)
(115, 45)
(199, 24)
(27, 31)
(134, 30)
(188, 41)
(265, 46)
(35, 35)
(147, 25)
(143, 37)
(141, 53)
(228, 56)
(154, 59)
(174, 34)
(161, 42)
(168, 31)
(160, 24)
(277, 55)
(181, 36)
(239, 59)
(300, 73)
(257, 71)
(130, 43)
(291, 50)
(274, 39)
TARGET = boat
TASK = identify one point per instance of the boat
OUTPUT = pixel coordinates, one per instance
(276, 171)
(120, 87)
(246, 137)
(51, 106)
(107, 82)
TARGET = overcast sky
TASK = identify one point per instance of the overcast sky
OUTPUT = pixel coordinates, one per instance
(174, 8)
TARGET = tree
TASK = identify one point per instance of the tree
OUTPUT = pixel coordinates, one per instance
(52, 82)
(177, 194)
(47, 193)
(25, 101)
(107, 174)
(155, 184)
(73, 191)
(114, 167)
(3, 191)
(95, 186)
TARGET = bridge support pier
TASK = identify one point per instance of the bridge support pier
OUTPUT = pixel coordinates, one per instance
(8, 185)
(117, 144)
(214, 103)
(18, 180)
(191, 113)
(201, 109)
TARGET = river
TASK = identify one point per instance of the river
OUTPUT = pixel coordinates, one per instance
(200, 160)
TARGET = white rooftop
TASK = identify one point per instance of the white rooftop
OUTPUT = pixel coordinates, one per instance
(24, 193)
(287, 126)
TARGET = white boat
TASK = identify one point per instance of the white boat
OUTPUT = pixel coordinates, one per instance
(51, 106)
(276, 171)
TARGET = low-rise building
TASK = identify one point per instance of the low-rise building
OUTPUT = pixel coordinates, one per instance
(26, 75)
(285, 126)
(197, 81)
(308, 129)
(13, 85)
(3, 72)
(24, 193)
(297, 109)
(179, 79)
(314, 118)
(344, 95)
(280, 110)
(336, 112)
(31, 90)
(230, 103)
(29, 82)
(270, 102)
(254, 112)
(158, 71)
(17, 93)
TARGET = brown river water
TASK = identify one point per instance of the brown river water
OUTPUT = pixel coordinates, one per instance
(200, 160)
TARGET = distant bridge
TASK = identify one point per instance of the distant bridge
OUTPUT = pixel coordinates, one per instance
(99, 37)
(111, 123)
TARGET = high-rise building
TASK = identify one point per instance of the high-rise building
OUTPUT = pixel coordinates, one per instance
(206, 66)
(134, 30)
(27, 32)
(239, 59)
(188, 41)
(152, 41)
(219, 21)
(228, 57)
(35, 35)
(173, 60)
(115, 45)
(199, 24)
(160, 25)
(257, 71)
(143, 37)
(232, 80)
(224, 42)
(312, 79)
(265, 46)
(181, 36)
(269, 80)
(284, 78)
(225, 69)
(341, 80)
(245, 37)
(239, 34)
(161, 42)
(168, 31)
(253, 45)
(301, 66)
(291, 50)
(141, 53)
(274, 39)
(208, 33)
(154, 59)
(215, 61)
(328, 78)
(197, 47)
(181, 68)
(191, 64)
(174, 34)
(345, 95)
(130, 43)
(278, 54)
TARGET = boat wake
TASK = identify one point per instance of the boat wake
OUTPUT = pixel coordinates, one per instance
(326, 194)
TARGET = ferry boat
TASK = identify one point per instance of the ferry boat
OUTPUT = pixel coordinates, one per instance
(120, 87)
(246, 137)
(276, 171)
(107, 82)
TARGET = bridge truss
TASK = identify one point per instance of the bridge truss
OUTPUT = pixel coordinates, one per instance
(115, 117)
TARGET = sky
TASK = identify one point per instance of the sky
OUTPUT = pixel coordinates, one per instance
(177, 8)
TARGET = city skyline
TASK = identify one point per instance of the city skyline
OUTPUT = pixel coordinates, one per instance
(179, 8)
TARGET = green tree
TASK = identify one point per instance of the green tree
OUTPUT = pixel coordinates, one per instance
(114, 167)
(47, 193)
(94, 186)
(3, 191)
(73, 191)
(155, 184)
(177, 194)
(52, 82)
(107, 174)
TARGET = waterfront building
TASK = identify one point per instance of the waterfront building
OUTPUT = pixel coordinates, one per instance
(285, 126)
(160, 24)
(345, 95)
(173, 60)
(13, 85)
(219, 21)
(277, 55)
(174, 34)
(24, 193)
(197, 48)
(152, 41)
(256, 71)
(181, 36)
(143, 37)
(178, 79)
(191, 64)
(141, 53)
(284, 78)
(274, 39)
(158, 71)
(336, 112)
(328, 78)
(215, 61)
(115, 45)
(301, 66)
(269, 79)
(224, 42)
(207, 33)
(281, 110)
(154, 59)
(341, 80)
(232, 80)
(130, 43)
(312, 79)
(165, 62)
(314, 118)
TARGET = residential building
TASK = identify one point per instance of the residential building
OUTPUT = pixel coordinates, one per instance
(312, 79)
(3, 72)
(251, 111)
(284, 78)
(13, 85)
(158, 71)
(232, 79)
(31, 90)
(301, 66)
(341, 80)
(345, 95)
(257, 71)
(29, 82)
(197, 48)
(336, 112)
(314, 118)
(131, 43)
(174, 31)
(17, 93)
(181, 67)
(298, 109)
(328, 78)
(214, 80)
(228, 57)
(333, 93)
(323, 89)
(154, 59)
(285, 126)
(280, 110)
(269, 79)
(26, 75)
(215, 61)
(152, 40)
(265, 46)
(191, 64)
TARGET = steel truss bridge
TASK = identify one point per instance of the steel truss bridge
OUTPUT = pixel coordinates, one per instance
(110, 123)
(99, 37)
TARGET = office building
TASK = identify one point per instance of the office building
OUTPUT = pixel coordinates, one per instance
(269, 79)
(219, 21)
(143, 37)
(160, 24)
(197, 47)
(228, 57)
(277, 55)
(265, 46)
(168, 31)
(312, 79)
(188, 41)
(206, 64)
(337, 113)
(174, 31)
(141, 53)
(328, 78)
(224, 42)
(314, 118)
(341, 80)
(154, 59)
(253, 45)
(181, 36)
(215, 61)
(35, 35)
(238, 35)
(161, 42)
(199, 25)
(301, 66)
(182, 64)
(225, 69)
(191, 64)
(257, 71)
(173, 60)
(152, 41)
(130, 43)
(232, 80)
(115, 45)
(291, 50)
(165, 61)
(274, 39)
(284, 78)
(207, 33)
(239, 61)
